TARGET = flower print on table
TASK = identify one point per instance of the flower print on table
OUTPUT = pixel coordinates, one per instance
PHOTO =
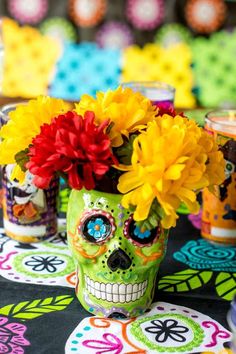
(166, 331)
(189, 280)
(201, 254)
(167, 328)
(109, 344)
(208, 262)
(28, 310)
(12, 340)
(44, 263)
(12, 334)
(48, 263)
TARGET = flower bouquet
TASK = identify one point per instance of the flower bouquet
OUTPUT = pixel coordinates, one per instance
(29, 213)
(129, 165)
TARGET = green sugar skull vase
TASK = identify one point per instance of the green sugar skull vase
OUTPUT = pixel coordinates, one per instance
(129, 164)
(116, 263)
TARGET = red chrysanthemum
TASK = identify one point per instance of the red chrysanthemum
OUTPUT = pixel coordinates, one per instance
(167, 109)
(72, 145)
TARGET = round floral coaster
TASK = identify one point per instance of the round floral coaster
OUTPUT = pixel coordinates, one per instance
(44, 263)
(87, 13)
(167, 328)
(26, 11)
(114, 34)
(145, 14)
(59, 28)
(205, 16)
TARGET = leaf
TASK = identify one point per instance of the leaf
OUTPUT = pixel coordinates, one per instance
(109, 127)
(125, 151)
(154, 217)
(226, 285)
(185, 280)
(22, 158)
(63, 199)
(27, 310)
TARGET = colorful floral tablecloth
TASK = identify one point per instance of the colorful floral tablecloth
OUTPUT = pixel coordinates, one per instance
(40, 314)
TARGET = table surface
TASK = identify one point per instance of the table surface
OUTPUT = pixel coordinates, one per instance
(48, 333)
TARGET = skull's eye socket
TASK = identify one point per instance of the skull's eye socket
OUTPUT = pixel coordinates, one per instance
(140, 237)
(229, 166)
(97, 227)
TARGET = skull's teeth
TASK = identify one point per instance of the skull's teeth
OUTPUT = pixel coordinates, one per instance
(116, 292)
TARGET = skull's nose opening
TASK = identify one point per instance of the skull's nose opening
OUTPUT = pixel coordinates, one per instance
(117, 315)
(119, 260)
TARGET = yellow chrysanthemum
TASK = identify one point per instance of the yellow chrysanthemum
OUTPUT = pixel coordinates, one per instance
(171, 161)
(127, 110)
(24, 124)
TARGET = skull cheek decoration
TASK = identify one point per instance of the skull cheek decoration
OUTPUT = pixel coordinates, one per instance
(116, 262)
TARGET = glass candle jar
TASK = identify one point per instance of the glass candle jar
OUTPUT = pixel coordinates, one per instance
(219, 209)
(159, 93)
(29, 213)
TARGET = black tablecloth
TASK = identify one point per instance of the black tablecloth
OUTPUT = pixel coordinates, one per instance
(49, 333)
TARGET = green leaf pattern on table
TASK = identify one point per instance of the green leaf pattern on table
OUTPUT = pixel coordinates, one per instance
(28, 310)
(186, 280)
(226, 285)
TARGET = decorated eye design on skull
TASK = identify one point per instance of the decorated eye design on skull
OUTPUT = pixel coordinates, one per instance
(140, 237)
(97, 226)
(229, 167)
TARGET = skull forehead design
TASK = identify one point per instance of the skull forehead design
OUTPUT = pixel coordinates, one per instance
(116, 260)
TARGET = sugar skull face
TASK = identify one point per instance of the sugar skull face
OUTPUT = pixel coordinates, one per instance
(23, 192)
(116, 262)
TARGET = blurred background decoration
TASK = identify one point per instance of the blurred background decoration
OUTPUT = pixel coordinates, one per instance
(69, 47)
